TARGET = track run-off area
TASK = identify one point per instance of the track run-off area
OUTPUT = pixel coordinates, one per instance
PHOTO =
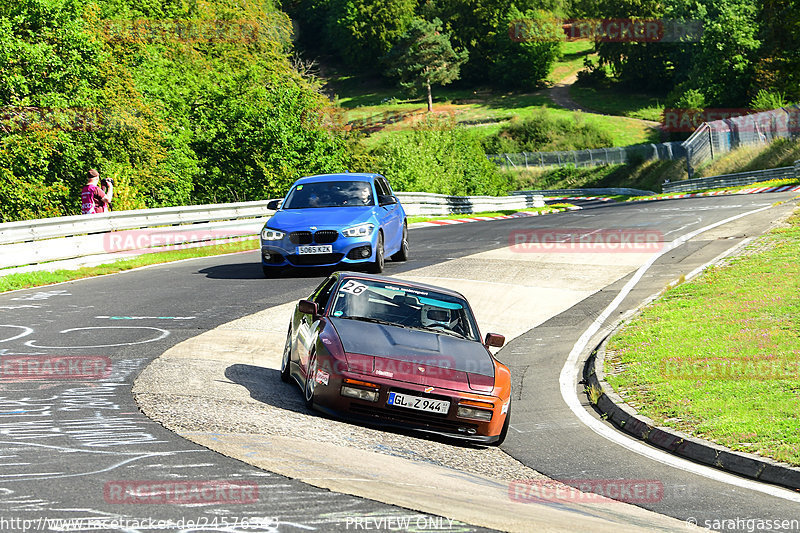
(193, 397)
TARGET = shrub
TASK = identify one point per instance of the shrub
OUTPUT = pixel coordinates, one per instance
(440, 159)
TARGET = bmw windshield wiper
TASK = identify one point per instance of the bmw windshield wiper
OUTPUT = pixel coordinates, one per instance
(375, 321)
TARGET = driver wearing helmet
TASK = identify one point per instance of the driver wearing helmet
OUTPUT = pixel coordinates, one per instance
(437, 316)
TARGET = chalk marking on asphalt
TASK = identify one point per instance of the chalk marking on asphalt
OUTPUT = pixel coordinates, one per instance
(569, 377)
(163, 334)
(26, 331)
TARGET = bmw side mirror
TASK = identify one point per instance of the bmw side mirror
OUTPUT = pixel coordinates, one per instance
(494, 340)
(308, 307)
(385, 199)
(273, 205)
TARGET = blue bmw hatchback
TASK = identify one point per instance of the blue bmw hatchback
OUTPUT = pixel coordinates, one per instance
(331, 219)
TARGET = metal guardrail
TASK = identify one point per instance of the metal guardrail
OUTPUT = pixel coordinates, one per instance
(592, 157)
(589, 192)
(418, 203)
(733, 180)
(127, 233)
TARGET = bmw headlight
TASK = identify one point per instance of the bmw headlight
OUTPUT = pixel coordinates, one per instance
(362, 230)
(271, 234)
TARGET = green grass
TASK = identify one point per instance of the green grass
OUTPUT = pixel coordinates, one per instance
(572, 55)
(378, 108)
(554, 208)
(781, 153)
(719, 357)
(647, 176)
(25, 280)
(768, 183)
(615, 101)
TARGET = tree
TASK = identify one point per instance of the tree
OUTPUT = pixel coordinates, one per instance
(423, 57)
(363, 31)
(524, 62)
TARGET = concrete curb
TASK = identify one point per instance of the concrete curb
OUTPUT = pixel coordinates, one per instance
(625, 417)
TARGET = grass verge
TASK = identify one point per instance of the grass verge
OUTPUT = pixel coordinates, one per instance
(554, 208)
(723, 190)
(719, 357)
(616, 101)
(25, 280)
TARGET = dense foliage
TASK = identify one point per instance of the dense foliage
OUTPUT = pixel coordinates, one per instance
(179, 102)
(435, 157)
(542, 132)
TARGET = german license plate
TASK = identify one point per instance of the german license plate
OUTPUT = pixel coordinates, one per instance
(324, 249)
(421, 404)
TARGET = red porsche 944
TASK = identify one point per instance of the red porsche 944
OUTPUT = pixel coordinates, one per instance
(391, 352)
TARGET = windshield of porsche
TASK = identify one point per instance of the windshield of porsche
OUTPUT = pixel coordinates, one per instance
(409, 307)
(329, 194)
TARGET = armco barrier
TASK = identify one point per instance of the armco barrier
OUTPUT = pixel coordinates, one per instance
(588, 192)
(732, 180)
(125, 232)
(418, 203)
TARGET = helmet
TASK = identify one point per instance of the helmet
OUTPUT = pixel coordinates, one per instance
(438, 316)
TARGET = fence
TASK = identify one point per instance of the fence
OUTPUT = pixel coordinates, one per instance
(595, 156)
(715, 138)
(733, 180)
(106, 236)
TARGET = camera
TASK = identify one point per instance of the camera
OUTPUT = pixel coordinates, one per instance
(107, 181)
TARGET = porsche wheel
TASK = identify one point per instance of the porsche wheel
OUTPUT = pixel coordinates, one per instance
(504, 431)
(308, 390)
(286, 360)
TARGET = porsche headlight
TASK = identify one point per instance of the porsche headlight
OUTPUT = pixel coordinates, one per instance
(362, 230)
(271, 234)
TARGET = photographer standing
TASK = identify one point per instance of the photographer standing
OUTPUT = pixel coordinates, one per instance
(95, 199)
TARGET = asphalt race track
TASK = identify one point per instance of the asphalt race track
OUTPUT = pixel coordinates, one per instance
(69, 446)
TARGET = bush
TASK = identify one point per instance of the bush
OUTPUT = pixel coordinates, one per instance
(543, 132)
(440, 159)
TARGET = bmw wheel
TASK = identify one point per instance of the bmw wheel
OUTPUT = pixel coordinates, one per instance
(376, 267)
(402, 254)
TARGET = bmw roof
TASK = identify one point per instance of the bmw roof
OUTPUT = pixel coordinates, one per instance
(346, 176)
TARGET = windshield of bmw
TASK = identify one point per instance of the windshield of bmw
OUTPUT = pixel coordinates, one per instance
(381, 302)
(329, 194)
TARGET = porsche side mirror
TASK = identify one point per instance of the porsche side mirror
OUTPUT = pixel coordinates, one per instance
(308, 307)
(273, 205)
(495, 340)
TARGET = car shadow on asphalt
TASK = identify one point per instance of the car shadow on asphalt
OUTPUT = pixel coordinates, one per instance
(253, 271)
(265, 385)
